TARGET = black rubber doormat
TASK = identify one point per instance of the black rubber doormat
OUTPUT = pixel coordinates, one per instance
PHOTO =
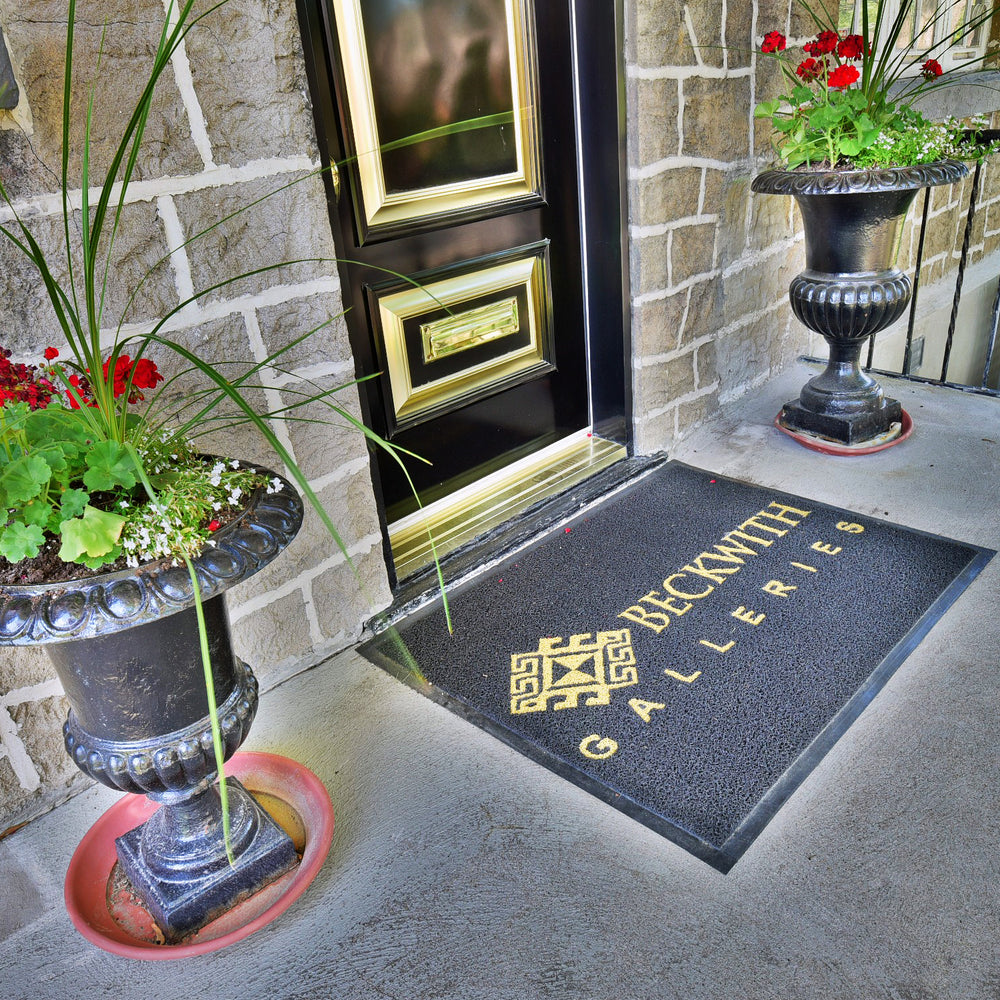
(689, 649)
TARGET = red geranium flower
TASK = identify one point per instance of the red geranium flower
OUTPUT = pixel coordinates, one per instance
(825, 41)
(51, 353)
(145, 374)
(774, 41)
(122, 365)
(851, 47)
(78, 392)
(931, 69)
(843, 76)
(214, 525)
(811, 69)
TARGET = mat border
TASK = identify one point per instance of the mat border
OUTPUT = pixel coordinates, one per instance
(725, 857)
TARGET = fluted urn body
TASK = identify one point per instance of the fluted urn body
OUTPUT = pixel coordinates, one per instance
(851, 287)
(127, 649)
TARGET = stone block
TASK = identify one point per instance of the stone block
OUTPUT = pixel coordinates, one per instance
(287, 322)
(651, 271)
(659, 385)
(138, 267)
(273, 636)
(653, 126)
(269, 113)
(705, 364)
(39, 728)
(770, 221)
(943, 235)
(657, 324)
(24, 666)
(742, 293)
(18, 807)
(322, 440)
(669, 195)
(350, 505)
(36, 32)
(706, 18)
(655, 434)
(344, 598)
(728, 195)
(692, 252)
(706, 310)
(660, 37)
(695, 412)
(739, 41)
(257, 225)
(743, 356)
(716, 118)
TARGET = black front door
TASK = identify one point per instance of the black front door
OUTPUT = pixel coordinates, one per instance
(458, 209)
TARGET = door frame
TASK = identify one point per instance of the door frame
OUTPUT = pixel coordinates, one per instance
(597, 43)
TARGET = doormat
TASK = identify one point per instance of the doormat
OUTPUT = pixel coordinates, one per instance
(687, 650)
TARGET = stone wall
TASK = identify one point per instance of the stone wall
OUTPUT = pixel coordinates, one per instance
(711, 262)
(232, 123)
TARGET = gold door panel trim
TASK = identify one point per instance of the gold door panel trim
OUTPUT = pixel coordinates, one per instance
(406, 44)
(462, 516)
(469, 329)
(499, 336)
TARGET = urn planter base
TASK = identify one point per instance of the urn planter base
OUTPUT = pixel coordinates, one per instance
(896, 434)
(106, 911)
(844, 428)
(177, 861)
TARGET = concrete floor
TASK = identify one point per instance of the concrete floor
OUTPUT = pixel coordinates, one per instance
(461, 870)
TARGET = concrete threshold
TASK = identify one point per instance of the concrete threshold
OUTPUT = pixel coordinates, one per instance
(459, 869)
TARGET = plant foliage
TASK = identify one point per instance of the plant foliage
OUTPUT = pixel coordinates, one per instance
(87, 461)
(850, 101)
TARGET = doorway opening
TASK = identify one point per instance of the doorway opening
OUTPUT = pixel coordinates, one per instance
(477, 197)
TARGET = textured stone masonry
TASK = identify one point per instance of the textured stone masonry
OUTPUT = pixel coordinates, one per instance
(709, 270)
(232, 124)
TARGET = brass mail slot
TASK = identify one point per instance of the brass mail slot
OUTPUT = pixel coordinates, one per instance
(464, 333)
(469, 329)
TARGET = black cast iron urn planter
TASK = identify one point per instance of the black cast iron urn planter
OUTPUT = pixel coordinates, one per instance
(850, 288)
(127, 650)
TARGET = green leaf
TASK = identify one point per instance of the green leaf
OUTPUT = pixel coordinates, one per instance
(37, 512)
(24, 479)
(72, 503)
(826, 116)
(766, 108)
(20, 541)
(56, 423)
(98, 561)
(109, 465)
(95, 535)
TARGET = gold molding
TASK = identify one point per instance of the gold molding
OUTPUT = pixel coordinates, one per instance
(411, 401)
(383, 209)
(460, 517)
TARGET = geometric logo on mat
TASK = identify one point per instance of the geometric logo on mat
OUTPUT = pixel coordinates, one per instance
(561, 673)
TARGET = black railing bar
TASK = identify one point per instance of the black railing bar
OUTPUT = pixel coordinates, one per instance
(991, 342)
(975, 390)
(911, 322)
(960, 277)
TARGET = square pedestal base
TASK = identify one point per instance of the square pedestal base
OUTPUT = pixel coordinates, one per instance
(850, 428)
(180, 908)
